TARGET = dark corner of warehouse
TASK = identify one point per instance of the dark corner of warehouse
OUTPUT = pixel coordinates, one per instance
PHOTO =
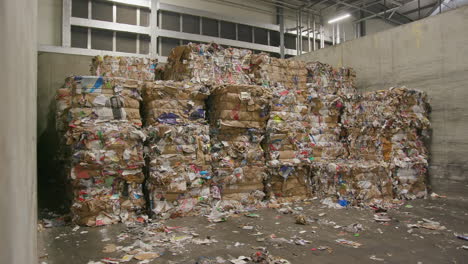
(220, 131)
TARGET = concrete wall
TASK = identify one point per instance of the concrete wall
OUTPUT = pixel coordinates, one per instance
(430, 55)
(52, 70)
(18, 132)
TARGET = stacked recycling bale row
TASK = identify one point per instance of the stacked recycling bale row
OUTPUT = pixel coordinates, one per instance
(209, 64)
(339, 172)
(100, 118)
(142, 69)
(327, 91)
(391, 125)
(179, 146)
(238, 117)
(288, 145)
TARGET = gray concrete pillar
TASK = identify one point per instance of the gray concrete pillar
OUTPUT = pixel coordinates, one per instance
(18, 67)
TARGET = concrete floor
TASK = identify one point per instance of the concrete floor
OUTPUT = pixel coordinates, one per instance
(388, 243)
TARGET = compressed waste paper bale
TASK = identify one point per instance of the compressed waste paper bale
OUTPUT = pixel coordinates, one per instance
(409, 156)
(142, 69)
(237, 147)
(209, 64)
(179, 167)
(410, 181)
(106, 173)
(98, 99)
(175, 103)
(323, 79)
(287, 138)
(179, 156)
(288, 182)
(239, 106)
(238, 183)
(355, 182)
(367, 143)
(273, 72)
(395, 107)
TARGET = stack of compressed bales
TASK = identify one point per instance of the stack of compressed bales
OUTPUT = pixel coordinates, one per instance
(105, 162)
(352, 172)
(142, 69)
(273, 72)
(209, 64)
(289, 145)
(179, 146)
(238, 118)
(391, 125)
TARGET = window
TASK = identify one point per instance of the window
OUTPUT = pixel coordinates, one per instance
(80, 8)
(144, 17)
(79, 37)
(228, 30)
(101, 39)
(127, 15)
(290, 41)
(125, 42)
(170, 21)
(274, 38)
(209, 27)
(244, 33)
(101, 11)
(261, 36)
(144, 44)
(305, 44)
(190, 24)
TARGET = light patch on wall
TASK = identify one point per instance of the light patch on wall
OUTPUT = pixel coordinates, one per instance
(417, 33)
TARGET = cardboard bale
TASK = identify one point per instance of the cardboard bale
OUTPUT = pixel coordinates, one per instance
(179, 161)
(175, 103)
(244, 183)
(355, 182)
(288, 141)
(239, 106)
(179, 146)
(289, 182)
(323, 79)
(142, 69)
(208, 64)
(98, 99)
(106, 173)
(273, 72)
(236, 147)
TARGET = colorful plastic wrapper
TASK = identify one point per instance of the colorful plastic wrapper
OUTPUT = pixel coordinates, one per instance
(142, 69)
(174, 103)
(209, 64)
